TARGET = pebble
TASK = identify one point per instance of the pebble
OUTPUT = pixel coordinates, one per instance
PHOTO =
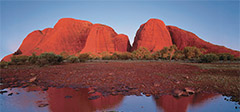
(43, 105)
(10, 94)
(91, 91)
(94, 97)
(68, 97)
(147, 95)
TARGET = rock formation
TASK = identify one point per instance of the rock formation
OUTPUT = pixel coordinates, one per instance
(152, 35)
(104, 38)
(122, 43)
(71, 35)
(78, 36)
(182, 38)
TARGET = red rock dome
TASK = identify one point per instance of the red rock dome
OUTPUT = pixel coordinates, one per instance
(104, 38)
(72, 36)
(182, 38)
(153, 35)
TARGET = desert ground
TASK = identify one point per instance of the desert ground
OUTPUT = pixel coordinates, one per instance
(129, 77)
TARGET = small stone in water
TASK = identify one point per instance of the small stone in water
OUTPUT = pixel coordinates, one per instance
(68, 96)
(91, 91)
(32, 74)
(10, 94)
(1, 92)
(148, 95)
(42, 105)
(93, 97)
(32, 79)
(45, 88)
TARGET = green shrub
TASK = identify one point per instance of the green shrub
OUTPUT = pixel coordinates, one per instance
(3, 64)
(125, 56)
(19, 60)
(93, 56)
(49, 59)
(142, 54)
(161, 54)
(73, 59)
(121, 56)
(83, 57)
(64, 54)
(236, 58)
(178, 55)
(115, 56)
(165, 53)
(106, 55)
(225, 56)
(33, 59)
(192, 52)
(157, 55)
(208, 58)
(171, 51)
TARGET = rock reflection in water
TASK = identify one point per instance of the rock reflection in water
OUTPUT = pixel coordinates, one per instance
(170, 103)
(79, 101)
(33, 99)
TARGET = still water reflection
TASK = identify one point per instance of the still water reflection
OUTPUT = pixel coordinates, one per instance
(70, 100)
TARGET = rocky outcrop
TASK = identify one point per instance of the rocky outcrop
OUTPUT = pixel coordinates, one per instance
(68, 35)
(182, 39)
(78, 36)
(71, 35)
(152, 35)
(104, 38)
(122, 43)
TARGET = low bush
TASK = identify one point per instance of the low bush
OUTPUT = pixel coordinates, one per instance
(121, 56)
(157, 55)
(115, 56)
(73, 59)
(3, 64)
(142, 54)
(225, 56)
(19, 60)
(83, 57)
(208, 58)
(237, 59)
(33, 59)
(106, 55)
(49, 59)
(178, 55)
(192, 52)
(64, 54)
(125, 56)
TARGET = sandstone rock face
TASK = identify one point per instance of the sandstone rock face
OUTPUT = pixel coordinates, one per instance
(103, 38)
(182, 38)
(100, 39)
(7, 58)
(68, 35)
(122, 43)
(71, 35)
(153, 35)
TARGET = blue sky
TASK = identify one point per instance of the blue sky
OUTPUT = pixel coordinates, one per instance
(215, 21)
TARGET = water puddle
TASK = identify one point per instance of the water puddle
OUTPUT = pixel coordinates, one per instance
(32, 99)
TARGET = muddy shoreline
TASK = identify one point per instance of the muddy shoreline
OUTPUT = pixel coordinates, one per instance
(129, 77)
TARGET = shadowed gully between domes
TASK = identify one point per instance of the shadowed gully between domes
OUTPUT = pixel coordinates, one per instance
(78, 36)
